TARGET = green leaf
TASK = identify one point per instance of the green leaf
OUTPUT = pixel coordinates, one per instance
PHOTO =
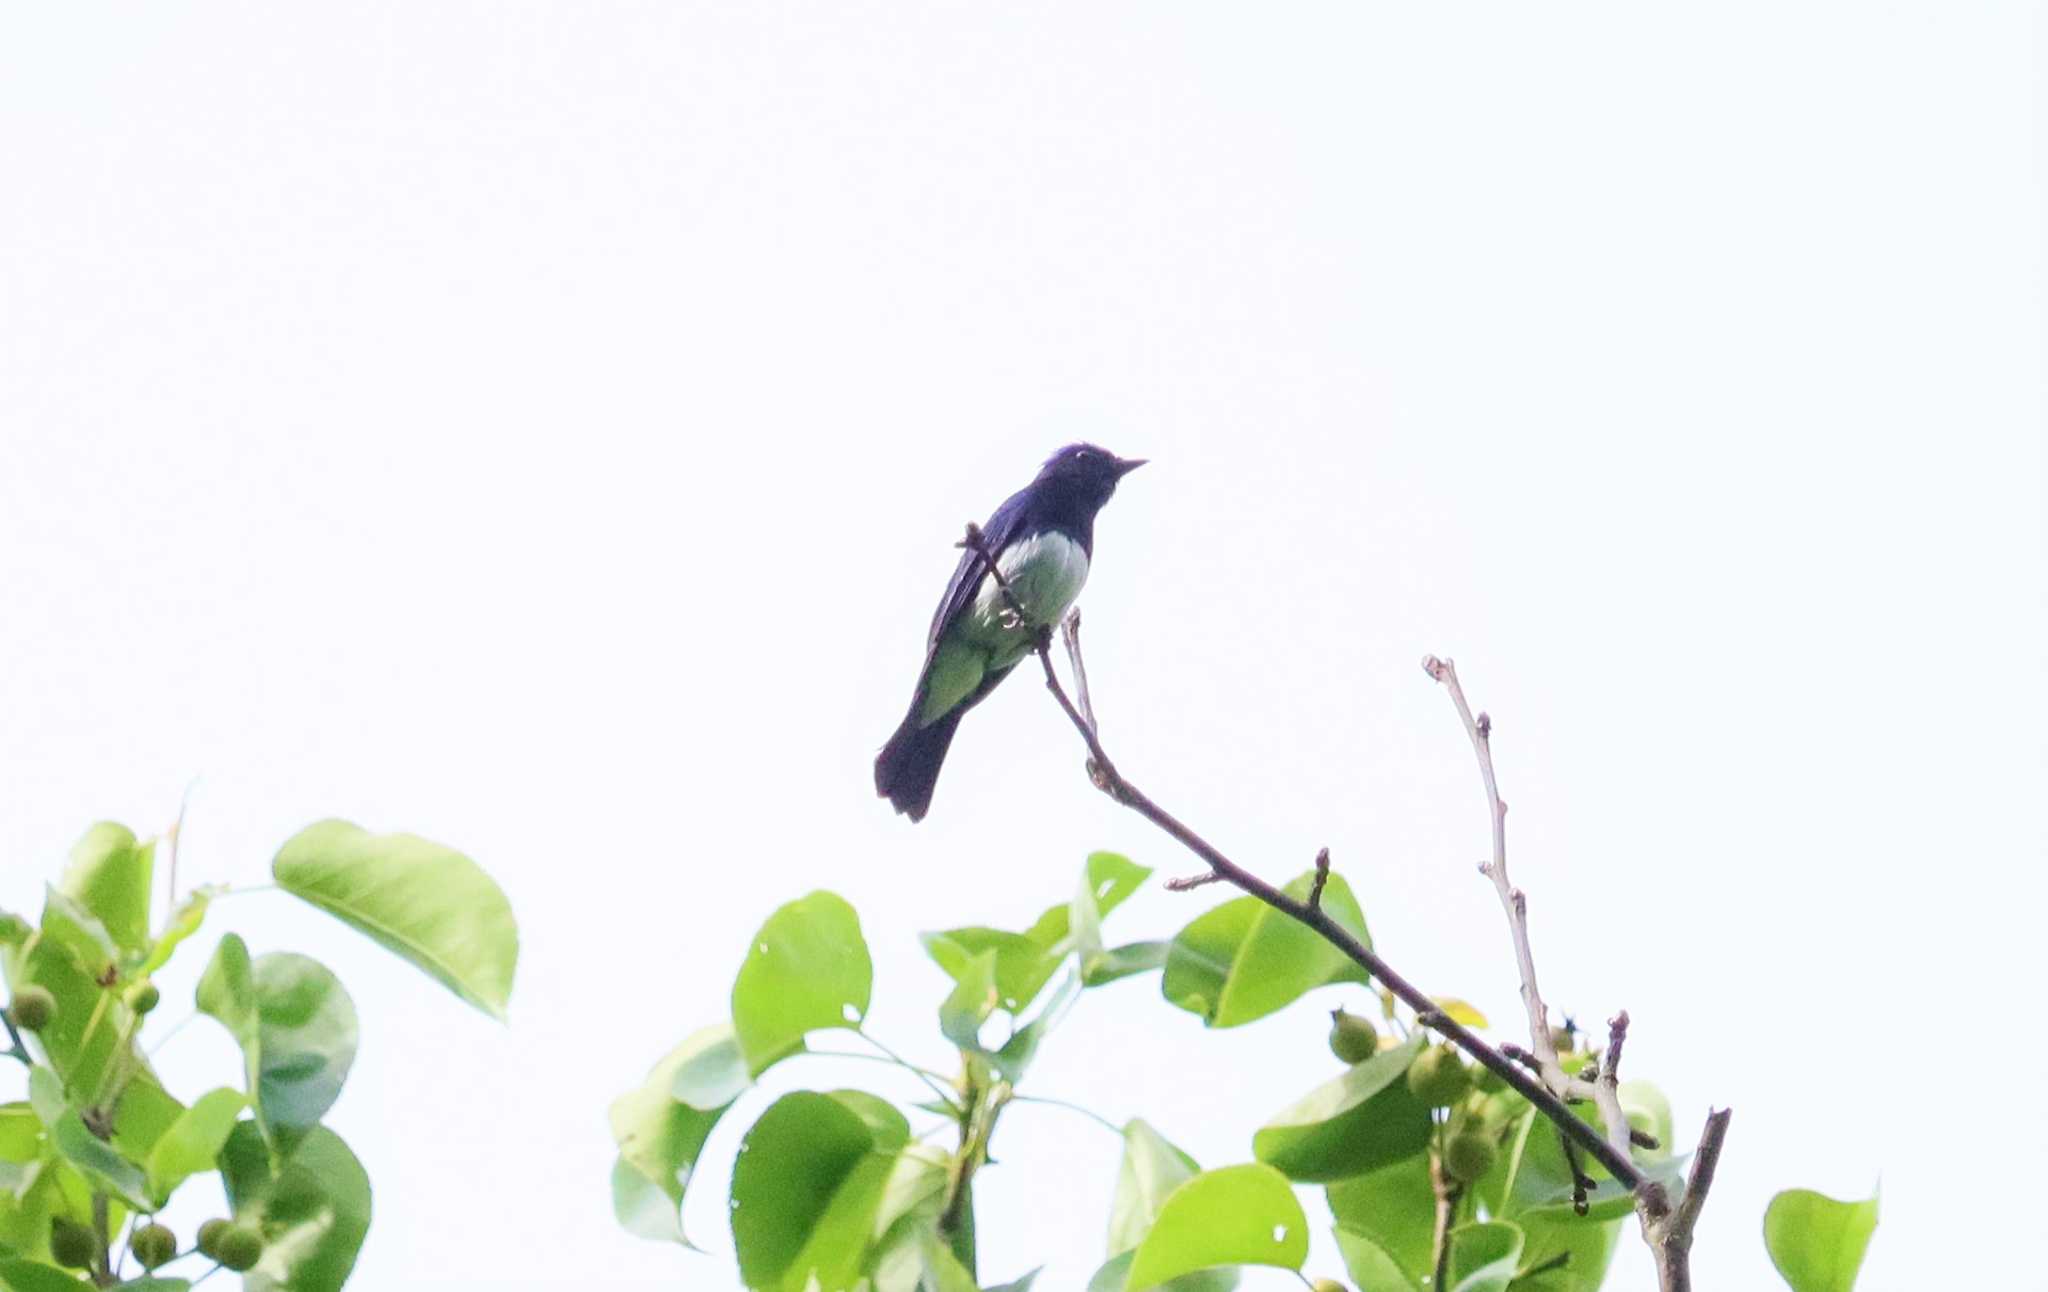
(94, 1159)
(715, 1072)
(1371, 1265)
(1106, 881)
(18, 1275)
(1150, 1171)
(313, 1208)
(154, 1285)
(808, 969)
(1532, 1176)
(297, 1029)
(69, 926)
(192, 1142)
(1016, 1054)
(643, 1209)
(109, 875)
(1816, 1242)
(1020, 1285)
(1394, 1207)
(1354, 1123)
(1023, 966)
(1243, 960)
(430, 904)
(227, 991)
(1586, 1244)
(661, 1135)
(1026, 962)
(183, 923)
(1238, 1215)
(807, 1188)
(973, 998)
(305, 1042)
(1484, 1257)
(1122, 962)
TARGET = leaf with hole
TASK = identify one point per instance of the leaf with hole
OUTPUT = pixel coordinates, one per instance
(808, 969)
(1237, 1215)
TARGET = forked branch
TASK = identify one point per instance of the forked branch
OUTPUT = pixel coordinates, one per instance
(1668, 1228)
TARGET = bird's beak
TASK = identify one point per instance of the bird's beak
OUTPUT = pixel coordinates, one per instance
(1124, 466)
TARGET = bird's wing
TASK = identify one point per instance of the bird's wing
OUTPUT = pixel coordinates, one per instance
(1003, 527)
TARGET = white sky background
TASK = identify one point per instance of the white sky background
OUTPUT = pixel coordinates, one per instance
(543, 427)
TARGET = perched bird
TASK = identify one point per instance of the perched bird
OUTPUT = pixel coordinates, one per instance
(1042, 539)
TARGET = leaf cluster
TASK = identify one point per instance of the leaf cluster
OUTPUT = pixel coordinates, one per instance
(99, 1144)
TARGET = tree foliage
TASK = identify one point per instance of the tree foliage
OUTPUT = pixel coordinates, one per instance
(97, 1142)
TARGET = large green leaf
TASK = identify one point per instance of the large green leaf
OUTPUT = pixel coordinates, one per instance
(306, 1043)
(430, 904)
(313, 1208)
(192, 1142)
(109, 875)
(1243, 960)
(1816, 1242)
(1238, 1215)
(808, 969)
(1394, 1207)
(807, 1188)
(660, 1135)
(1357, 1122)
(297, 1029)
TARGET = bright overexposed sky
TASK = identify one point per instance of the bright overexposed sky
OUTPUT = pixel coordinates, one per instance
(543, 426)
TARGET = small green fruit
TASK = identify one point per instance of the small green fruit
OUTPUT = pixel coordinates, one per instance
(32, 1008)
(209, 1237)
(1352, 1038)
(1469, 1154)
(1438, 1077)
(153, 1245)
(238, 1247)
(143, 996)
(72, 1245)
(1327, 1285)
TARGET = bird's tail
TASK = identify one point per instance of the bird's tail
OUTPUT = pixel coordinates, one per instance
(907, 769)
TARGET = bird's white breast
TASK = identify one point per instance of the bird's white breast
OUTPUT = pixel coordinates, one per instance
(1045, 571)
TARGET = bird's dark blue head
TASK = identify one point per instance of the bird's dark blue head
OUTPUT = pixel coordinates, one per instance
(1085, 474)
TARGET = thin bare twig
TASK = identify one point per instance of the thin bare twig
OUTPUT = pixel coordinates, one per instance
(1070, 632)
(1105, 776)
(1186, 883)
(1516, 906)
